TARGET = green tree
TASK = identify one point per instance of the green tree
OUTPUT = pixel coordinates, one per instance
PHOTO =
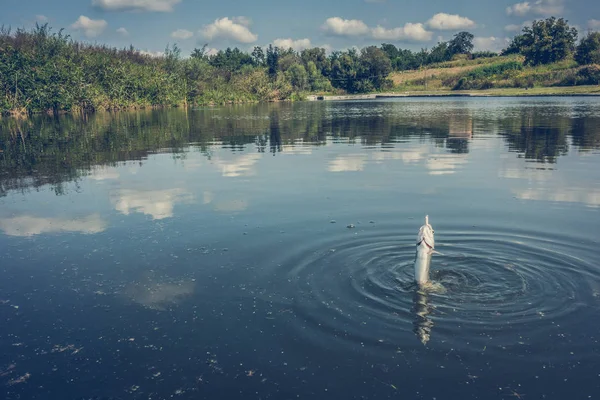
(318, 56)
(462, 43)
(297, 76)
(516, 46)
(548, 41)
(273, 60)
(375, 66)
(392, 51)
(258, 55)
(344, 70)
(231, 59)
(439, 53)
(588, 50)
(316, 80)
(199, 53)
(286, 61)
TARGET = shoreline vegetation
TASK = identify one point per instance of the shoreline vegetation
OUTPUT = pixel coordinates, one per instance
(47, 72)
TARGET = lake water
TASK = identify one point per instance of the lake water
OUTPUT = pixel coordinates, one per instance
(267, 252)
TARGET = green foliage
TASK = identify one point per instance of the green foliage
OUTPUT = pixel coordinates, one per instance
(402, 60)
(375, 66)
(588, 50)
(298, 76)
(318, 57)
(258, 56)
(462, 43)
(483, 54)
(360, 73)
(495, 69)
(231, 60)
(439, 53)
(546, 41)
(484, 77)
(272, 60)
(516, 46)
(588, 75)
(316, 81)
(43, 71)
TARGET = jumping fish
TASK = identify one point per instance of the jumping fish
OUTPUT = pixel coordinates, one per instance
(425, 248)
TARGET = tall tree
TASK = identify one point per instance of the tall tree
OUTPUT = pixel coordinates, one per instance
(199, 53)
(439, 53)
(548, 41)
(391, 50)
(258, 55)
(273, 60)
(516, 46)
(319, 57)
(588, 50)
(462, 43)
(375, 66)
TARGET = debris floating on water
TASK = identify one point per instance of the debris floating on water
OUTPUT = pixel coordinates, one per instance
(21, 379)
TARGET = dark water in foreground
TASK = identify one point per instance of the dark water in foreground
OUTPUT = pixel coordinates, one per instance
(206, 254)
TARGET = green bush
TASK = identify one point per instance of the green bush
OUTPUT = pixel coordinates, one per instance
(588, 50)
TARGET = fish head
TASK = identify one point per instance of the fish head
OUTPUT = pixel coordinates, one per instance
(426, 234)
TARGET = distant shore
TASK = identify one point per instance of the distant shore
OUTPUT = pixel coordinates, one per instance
(590, 90)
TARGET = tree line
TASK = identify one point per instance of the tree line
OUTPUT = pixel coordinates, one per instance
(45, 71)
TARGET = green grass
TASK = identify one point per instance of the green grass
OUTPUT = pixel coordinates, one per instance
(497, 73)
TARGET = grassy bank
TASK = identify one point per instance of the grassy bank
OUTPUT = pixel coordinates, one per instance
(495, 73)
(46, 72)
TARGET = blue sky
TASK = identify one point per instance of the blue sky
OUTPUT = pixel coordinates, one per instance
(334, 24)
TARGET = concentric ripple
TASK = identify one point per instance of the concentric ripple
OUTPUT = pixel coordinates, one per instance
(490, 290)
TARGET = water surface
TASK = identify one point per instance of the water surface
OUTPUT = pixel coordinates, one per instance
(266, 252)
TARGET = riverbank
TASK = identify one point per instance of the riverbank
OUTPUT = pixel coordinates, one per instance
(588, 90)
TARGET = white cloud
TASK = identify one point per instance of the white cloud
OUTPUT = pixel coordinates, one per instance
(152, 53)
(122, 31)
(41, 18)
(297, 45)
(518, 9)
(517, 27)
(585, 196)
(157, 203)
(348, 163)
(225, 205)
(182, 34)
(245, 21)
(488, 43)
(90, 27)
(211, 51)
(443, 21)
(407, 157)
(540, 7)
(28, 226)
(226, 28)
(297, 148)
(442, 164)
(345, 27)
(512, 28)
(594, 24)
(136, 5)
(412, 32)
(241, 166)
(103, 174)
